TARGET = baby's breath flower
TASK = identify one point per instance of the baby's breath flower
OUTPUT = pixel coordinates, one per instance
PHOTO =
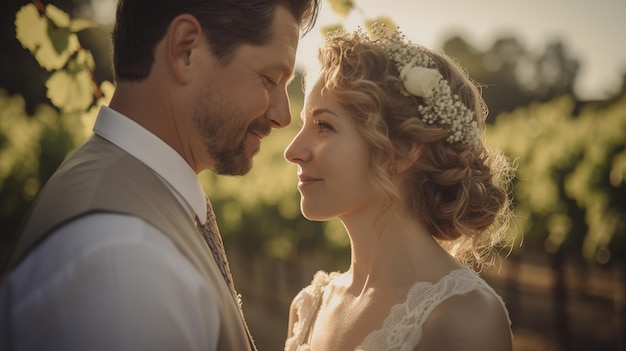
(420, 77)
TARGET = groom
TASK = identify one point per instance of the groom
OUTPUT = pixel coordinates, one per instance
(120, 250)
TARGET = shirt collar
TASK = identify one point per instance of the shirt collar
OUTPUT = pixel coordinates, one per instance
(157, 155)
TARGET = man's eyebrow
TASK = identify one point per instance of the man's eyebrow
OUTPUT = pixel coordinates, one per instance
(287, 71)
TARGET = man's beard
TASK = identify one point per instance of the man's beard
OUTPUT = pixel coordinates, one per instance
(224, 139)
(231, 161)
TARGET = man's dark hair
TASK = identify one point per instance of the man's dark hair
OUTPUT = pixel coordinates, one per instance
(140, 24)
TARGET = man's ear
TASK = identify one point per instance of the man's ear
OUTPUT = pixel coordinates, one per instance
(184, 35)
(408, 158)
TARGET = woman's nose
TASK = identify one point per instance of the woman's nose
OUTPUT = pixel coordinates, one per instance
(295, 151)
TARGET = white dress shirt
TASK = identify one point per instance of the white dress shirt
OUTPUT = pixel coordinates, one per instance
(114, 282)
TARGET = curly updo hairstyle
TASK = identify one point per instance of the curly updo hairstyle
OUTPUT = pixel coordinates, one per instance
(460, 191)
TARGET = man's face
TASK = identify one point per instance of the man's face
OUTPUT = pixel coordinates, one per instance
(240, 102)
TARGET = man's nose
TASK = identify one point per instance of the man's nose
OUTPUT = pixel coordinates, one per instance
(279, 112)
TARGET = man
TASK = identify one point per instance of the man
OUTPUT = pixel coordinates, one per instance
(118, 252)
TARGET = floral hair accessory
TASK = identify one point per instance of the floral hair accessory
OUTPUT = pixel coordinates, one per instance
(419, 81)
(420, 77)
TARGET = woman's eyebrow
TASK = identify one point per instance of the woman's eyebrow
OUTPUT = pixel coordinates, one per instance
(320, 110)
(317, 111)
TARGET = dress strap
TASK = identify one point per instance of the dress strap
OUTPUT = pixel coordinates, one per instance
(307, 305)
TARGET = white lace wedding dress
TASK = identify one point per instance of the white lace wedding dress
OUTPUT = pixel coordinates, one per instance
(402, 329)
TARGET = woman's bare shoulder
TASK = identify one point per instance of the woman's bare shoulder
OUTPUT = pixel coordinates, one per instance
(474, 321)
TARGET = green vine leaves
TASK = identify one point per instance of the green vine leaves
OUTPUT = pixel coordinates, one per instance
(50, 35)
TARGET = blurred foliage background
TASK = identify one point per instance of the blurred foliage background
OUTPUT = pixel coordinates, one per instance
(570, 190)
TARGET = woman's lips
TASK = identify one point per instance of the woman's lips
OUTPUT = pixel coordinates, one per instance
(305, 180)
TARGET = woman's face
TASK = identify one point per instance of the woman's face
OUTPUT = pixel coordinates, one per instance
(333, 160)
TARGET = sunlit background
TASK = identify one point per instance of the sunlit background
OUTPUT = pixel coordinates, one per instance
(554, 75)
(593, 31)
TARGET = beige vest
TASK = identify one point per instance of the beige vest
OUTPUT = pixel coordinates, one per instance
(101, 177)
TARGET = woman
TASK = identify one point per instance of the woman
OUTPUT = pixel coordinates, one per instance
(391, 145)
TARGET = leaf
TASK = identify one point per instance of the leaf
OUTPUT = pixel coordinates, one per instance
(80, 24)
(57, 16)
(341, 7)
(20, 135)
(50, 59)
(88, 118)
(82, 61)
(70, 92)
(59, 37)
(30, 28)
(43, 37)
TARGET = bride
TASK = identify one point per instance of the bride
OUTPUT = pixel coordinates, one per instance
(391, 144)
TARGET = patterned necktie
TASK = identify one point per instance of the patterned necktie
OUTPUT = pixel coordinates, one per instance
(211, 235)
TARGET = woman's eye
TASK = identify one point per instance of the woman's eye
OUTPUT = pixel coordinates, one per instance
(324, 126)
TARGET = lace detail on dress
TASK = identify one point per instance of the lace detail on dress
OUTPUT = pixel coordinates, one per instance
(307, 304)
(402, 329)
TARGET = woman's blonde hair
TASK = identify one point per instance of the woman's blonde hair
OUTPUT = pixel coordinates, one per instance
(460, 191)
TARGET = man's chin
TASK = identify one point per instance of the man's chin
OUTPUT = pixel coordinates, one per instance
(238, 162)
(238, 168)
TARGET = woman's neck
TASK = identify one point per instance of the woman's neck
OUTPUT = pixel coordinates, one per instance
(392, 249)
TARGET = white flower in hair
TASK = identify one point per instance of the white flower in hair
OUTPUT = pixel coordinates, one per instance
(420, 77)
(419, 81)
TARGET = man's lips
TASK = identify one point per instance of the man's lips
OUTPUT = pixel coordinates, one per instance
(261, 130)
(259, 134)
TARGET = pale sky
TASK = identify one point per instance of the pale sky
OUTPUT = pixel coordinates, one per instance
(592, 31)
